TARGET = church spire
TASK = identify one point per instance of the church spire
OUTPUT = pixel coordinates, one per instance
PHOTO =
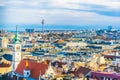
(16, 38)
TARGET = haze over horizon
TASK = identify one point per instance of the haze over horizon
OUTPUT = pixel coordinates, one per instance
(59, 12)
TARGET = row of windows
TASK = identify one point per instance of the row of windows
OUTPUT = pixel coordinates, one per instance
(106, 78)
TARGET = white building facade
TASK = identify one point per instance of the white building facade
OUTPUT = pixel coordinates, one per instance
(16, 52)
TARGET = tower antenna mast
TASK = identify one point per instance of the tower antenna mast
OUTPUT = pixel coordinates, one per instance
(43, 25)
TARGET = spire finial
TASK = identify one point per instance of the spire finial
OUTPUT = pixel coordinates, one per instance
(16, 39)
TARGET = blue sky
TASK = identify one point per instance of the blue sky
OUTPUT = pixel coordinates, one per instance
(69, 12)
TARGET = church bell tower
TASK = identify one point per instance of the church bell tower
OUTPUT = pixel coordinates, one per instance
(16, 51)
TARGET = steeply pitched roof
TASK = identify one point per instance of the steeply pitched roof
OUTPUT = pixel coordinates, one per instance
(46, 62)
(36, 68)
(82, 70)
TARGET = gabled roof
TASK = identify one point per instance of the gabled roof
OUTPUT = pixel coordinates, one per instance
(109, 56)
(37, 69)
(82, 70)
(46, 62)
(59, 64)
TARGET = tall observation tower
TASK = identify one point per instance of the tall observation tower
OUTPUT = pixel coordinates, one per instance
(43, 22)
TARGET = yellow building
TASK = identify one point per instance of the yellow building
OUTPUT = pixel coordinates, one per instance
(4, 42)
(5, 66)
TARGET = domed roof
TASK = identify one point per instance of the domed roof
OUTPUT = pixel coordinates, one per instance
(16, 38)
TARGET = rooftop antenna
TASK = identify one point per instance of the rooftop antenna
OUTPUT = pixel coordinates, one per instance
(43, 25)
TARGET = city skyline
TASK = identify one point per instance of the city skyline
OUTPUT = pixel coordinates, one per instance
(59, 40)
(67, 12)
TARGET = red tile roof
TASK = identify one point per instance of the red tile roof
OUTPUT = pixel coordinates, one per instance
(60, 64)
(2, 65)
(82, 70)
(46, 62)
(36, 68)
(109, 56)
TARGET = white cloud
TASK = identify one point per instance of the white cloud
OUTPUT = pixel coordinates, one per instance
(60, 11)
(2, 3)
(61, 4)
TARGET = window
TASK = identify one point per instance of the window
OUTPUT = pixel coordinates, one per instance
(115, 78)
(96, 78)
(18, 48)
(14, 66)
(108, 78)
(27, 73)
(102, 78)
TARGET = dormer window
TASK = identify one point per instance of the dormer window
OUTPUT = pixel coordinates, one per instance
(27, 73)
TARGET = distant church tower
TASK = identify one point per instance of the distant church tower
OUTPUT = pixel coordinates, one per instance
(16, 51)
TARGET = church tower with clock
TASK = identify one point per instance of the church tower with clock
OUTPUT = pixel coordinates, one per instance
(16, 51)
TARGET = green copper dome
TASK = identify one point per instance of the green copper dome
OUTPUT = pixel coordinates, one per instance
(16, 38)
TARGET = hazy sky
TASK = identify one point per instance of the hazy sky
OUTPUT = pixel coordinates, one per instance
(69, 12)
